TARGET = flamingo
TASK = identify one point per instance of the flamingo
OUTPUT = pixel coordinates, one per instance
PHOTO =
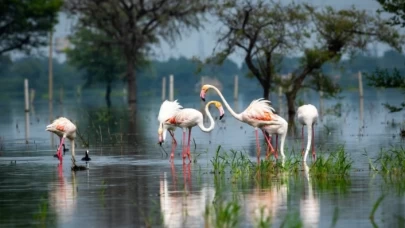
(167, 110)
(279, 128)
(64, 128)
(307, 115)
(188, 118)
(258, 114)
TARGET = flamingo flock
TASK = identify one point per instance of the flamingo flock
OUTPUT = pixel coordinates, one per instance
(259, 114)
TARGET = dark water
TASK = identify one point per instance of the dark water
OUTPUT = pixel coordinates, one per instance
(130, 182)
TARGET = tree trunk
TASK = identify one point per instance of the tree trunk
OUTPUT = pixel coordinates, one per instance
(108, 94)
(266, 92)
(291, 106)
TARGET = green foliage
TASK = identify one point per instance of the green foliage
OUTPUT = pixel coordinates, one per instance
(395, 7)
(391, 161)
(25, 23)
(222, 214)
(337, 164)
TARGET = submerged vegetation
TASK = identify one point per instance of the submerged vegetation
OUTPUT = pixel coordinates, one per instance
(391, 161)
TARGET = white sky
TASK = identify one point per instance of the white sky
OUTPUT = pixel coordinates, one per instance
(201, 43)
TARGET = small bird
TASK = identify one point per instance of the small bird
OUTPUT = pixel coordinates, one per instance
(308, 115)
(86, 157)
(63, 128)
(186, 119)
(258, 114)
(280, 127)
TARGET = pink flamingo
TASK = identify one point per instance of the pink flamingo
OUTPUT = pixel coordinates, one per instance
(279, 128)
(167, 110)
(186, 119)
(258, 114)
(308, 115)
(64, 128)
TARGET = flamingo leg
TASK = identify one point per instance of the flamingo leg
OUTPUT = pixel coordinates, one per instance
(302, 140)
(60, 149)
(57, 154)
(313, 145)
(268, 139)
(258, 146)
(174, 144)
(173, 169)
(188, 146)
(184, 143)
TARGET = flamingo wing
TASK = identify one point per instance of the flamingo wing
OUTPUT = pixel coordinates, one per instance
(187, 117)
(168, 109)
(260, 109)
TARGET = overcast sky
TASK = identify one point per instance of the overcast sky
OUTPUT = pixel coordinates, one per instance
(201, 43)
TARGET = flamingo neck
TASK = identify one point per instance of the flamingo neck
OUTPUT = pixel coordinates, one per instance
(309, 126)
(238, 116)
(283, 136)
(212, 122)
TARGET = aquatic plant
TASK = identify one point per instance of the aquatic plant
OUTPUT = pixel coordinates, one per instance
(222, 214)
(292, 219)
(337, 164)
(391, 161)
(263, 221)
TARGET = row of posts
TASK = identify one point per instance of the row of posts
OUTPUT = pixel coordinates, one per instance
(171, 87)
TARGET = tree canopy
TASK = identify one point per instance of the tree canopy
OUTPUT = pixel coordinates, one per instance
(24, 24)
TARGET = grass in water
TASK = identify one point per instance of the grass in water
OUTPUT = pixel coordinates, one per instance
(337, 164)
(391, 161)
(222, 214)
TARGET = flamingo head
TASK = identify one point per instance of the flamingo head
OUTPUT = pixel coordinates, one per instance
(220, 108)
(160, 134)
(204, 90)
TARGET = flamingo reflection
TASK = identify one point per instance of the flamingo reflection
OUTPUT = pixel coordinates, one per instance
(63, 196)
(266, 202)
(309, 204)
(183, 207)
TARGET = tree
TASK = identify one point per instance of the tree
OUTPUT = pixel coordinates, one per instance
(262, 31)
(395, 7)
(102, 63)
(135, 25)
(25, 23)
(286, 28)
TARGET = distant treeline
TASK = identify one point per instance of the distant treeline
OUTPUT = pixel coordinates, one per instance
(149, 79)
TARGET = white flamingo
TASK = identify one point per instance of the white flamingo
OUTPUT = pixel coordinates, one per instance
(167, 110)
(308, 115)
(258, 114)
(187, 118)
(64, 128)
(279, 128)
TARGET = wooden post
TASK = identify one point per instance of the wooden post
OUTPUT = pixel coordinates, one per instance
(32, 95)
(163, 88)
(321, 99)
(61, 94)
(235, 92)
(360, 85)
(26, 96)
(50, 67)
(171, 88)
(27, 110)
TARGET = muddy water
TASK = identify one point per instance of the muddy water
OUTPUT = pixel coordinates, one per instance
(130, 181)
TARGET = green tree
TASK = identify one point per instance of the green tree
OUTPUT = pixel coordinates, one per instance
(135, 25)
(24, 24)
(102, 63)
(265, 30)
(395, 7)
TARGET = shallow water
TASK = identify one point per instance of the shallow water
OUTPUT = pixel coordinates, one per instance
(130, 181)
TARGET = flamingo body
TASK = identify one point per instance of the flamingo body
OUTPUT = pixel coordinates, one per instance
(167, 110)
(280, 128)
(63, 128)
(258, 114)
(188, 118)
(308, 115)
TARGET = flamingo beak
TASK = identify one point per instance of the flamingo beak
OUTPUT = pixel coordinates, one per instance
(221, 112)
(202, 95)
(160, 140)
